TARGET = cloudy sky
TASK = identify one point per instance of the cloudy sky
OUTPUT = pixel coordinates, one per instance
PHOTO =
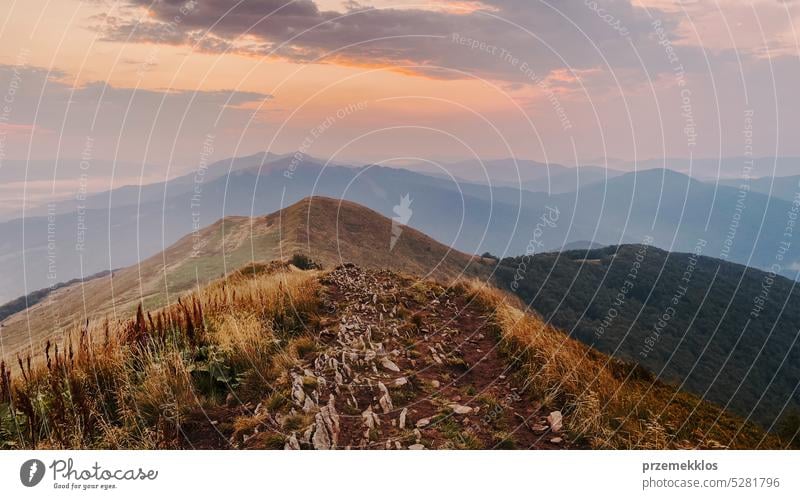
(146, 82)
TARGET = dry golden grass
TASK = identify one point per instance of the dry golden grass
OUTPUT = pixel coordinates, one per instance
(132, 384)
(608, 403)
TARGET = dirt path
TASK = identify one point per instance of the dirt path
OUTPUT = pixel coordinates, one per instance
(399, 364)
(415, 364)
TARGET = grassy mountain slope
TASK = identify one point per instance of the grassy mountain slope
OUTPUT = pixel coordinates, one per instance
(329, 231)
(721, 330)
(276, 357)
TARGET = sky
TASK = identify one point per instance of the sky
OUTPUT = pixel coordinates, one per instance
(146, 84)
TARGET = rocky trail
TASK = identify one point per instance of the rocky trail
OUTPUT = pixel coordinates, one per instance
(400, 364)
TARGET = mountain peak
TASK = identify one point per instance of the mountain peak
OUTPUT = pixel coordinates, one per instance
(329, 231)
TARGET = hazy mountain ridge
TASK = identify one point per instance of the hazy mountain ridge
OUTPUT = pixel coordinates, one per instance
(672, 209)
(786, 188)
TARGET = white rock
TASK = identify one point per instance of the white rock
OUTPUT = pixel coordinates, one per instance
(403, 415)
(461, 409)
(416, 447)
(388, 364)
(555, 420)
(367, 417)
(292, 443)
(309, 405)
(422, 423)
(331, 419)
(298, 395)
(385, 400)
(321, 440)
(306, 439)
(371, 419)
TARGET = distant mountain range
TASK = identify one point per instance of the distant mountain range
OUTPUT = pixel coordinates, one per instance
(668, 208)
(524, 174)
(732, 167)
(33, 184)
(786, 188)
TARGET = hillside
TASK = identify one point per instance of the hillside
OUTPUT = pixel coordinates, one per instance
(329, 231)
(274, 357)
(720, 330)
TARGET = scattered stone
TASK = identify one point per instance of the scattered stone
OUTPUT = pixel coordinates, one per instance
(388, 364)
(461, 409)
(556, 440)
(298, 395)
(330, 418)
(364, 350)
(555, 420)
(386, 400)
(309, 406)
(306, 439)
(292, 443)
(321, 439)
